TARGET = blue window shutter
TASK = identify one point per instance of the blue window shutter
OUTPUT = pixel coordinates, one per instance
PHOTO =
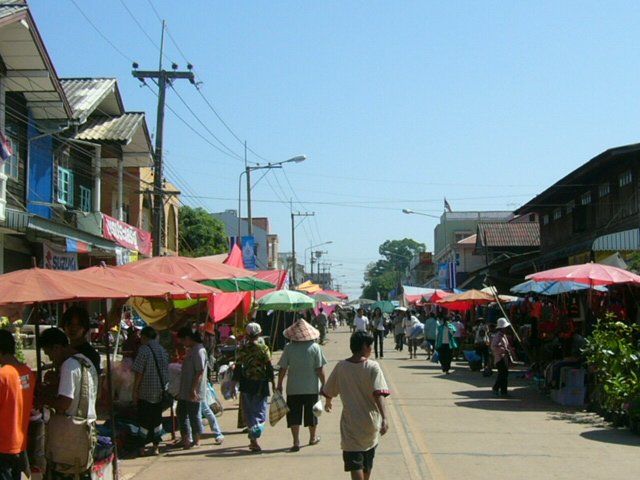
(59, 193)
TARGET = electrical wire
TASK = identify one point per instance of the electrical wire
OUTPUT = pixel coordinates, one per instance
(99, 32)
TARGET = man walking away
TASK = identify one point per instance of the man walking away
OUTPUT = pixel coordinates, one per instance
(322, 322)
(151, 368)
(430, 330)
(17, 383)
(361, 322)
(362, 389)
(377, 319)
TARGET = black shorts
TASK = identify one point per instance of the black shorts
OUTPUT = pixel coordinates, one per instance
(299, 405)
(354, 461)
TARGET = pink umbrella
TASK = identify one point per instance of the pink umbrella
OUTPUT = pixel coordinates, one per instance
(588, 273)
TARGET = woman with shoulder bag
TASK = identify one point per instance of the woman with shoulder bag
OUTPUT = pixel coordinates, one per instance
(481, 343)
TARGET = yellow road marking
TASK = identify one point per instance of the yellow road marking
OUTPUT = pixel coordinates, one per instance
(408, 437)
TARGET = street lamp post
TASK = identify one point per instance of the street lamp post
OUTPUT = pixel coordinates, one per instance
(248, 169)
(311, 260)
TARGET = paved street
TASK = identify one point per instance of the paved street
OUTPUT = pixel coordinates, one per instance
(441, 428)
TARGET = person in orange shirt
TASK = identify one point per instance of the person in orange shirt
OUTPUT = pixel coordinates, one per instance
(17, 383)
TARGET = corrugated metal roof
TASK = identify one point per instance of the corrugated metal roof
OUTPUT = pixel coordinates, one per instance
(85, 94)
(9, 7)
(119, 129)
(626, 241)
(516, 234)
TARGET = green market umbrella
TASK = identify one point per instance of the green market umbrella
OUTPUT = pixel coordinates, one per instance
(361, 302)
(286, 301)
(385, 305)
(246, 284)
(326, 299)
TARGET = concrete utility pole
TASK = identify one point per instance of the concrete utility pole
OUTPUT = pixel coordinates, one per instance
(162, 78)
(293, 240)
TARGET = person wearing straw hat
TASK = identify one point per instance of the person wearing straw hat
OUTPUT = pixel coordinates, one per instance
(304, 361)
(501, 350)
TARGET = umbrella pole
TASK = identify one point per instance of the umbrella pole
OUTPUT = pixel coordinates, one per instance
(36, 332)
(494, 291)
(111, 410)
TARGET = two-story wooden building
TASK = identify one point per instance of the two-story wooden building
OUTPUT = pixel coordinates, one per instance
(589, 214)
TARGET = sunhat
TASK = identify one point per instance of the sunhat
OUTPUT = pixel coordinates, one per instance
(503, 323)
(253, 329)
(301, 331)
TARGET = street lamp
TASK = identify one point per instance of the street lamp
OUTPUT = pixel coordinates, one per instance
(247, 171)
(413, 212)
(311, 247)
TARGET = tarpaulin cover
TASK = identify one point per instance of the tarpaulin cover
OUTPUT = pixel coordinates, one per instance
(235, 257)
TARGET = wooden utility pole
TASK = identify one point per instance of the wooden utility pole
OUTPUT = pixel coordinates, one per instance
(162, 78)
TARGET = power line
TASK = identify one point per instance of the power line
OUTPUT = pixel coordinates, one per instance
(204, 125)
(142, 29)
(99, 32)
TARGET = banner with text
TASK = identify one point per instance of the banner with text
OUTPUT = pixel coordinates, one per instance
(57, 259)
(126, 235)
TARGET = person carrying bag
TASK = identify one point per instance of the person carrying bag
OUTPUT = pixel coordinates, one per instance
(71, 440)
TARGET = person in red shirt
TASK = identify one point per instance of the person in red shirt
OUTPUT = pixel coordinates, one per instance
(17, 383)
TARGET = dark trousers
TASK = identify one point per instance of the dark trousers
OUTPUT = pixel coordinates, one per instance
(189, 419)
(503, 377)
(150, 420)
(483, 351)
(378, 340)
(400, 341)
(323, 333)
(445, 354)
(10, 466)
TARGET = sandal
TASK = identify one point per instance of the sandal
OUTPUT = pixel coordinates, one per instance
(315, 441)
(255, 448)
(295, 448)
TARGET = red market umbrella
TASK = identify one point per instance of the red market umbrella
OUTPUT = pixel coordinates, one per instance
(435, 296)
(335, 293)
(39, 285)
(587, 273)
(465, 301)
(235, 257)
(196, 269)
(155, 285)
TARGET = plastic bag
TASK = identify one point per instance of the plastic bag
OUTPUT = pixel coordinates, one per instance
(278, 408)
(318, 408)
(213, 401)
(435, 358)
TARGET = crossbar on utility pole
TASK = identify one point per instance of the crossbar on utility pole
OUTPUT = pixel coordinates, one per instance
(293, 240)
(162, 78)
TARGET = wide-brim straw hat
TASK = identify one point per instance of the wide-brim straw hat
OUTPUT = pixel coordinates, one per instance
(301, 331)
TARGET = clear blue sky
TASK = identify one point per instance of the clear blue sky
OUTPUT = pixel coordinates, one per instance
(397, 104)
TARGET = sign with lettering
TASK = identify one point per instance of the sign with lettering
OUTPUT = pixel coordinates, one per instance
(56, 259)
(126, 235)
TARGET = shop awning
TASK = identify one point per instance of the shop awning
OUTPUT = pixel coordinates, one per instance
(626, 241)
(48, 227)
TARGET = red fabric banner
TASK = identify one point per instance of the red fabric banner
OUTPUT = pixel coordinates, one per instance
(126, 235)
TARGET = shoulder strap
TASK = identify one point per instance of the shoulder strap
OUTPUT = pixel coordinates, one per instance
(155, 361)
(83, 403)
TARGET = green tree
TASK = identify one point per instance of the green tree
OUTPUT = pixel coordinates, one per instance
(384, 275)
(200, 233)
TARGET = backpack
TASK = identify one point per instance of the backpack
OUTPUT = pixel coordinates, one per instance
(70, 441)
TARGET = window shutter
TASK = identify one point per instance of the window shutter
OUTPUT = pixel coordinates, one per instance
(71, 190)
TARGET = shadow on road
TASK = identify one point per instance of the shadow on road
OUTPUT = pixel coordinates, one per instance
(612, 435)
